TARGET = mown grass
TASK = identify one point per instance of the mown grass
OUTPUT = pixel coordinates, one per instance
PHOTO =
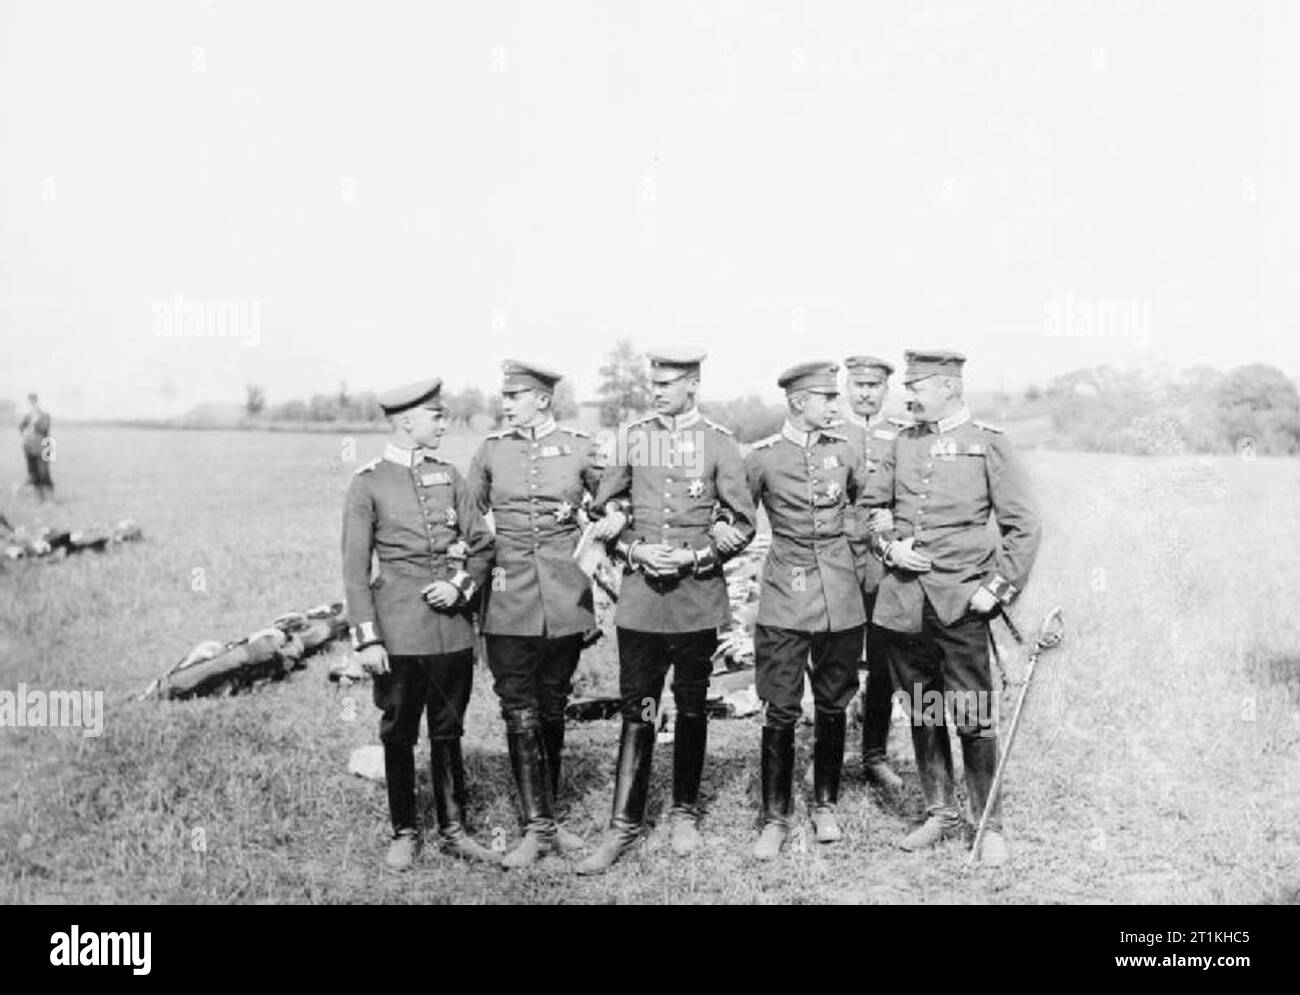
(1157, 762)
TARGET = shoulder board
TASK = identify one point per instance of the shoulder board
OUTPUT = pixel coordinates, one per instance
(501, 434)
(642, 420)
(764, 443)
(367, 467)
(714, 425)
(837, 436)
(884, 433)
(580, 433)
(900, 422)
(986, 426)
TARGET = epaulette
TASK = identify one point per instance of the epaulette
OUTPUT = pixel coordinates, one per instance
(712, 424)
(642, 420)
(827, 433)
(367, 467)
(764, 443)
(899, 422)
(986, 426)
(884, 433)
(580, 433)
(501, 434)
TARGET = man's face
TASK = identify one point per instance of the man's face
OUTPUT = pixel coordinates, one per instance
(426, 426)
(819, 410)
(929, 398)
(671, 396)
(521, 408)
(867, 392)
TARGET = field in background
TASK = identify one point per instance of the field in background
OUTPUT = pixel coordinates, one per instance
(1159, 760)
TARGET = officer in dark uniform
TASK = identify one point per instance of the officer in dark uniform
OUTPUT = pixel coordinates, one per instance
(677, 507)
(535, 477)
(808, 477)
(411, 620)
(946, 575)
(866, 384)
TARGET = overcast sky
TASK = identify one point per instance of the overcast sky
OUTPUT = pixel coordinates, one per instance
(396, 190)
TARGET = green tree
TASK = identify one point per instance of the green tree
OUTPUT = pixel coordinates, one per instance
(624, 385)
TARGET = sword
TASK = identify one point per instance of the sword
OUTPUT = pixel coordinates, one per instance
(1050, 634)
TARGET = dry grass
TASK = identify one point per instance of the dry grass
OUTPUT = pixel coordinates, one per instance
(1158, 761)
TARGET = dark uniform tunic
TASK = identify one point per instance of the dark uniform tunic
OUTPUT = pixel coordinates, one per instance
(412, 514)
(534, 481)
(675, 477)
(811, 598)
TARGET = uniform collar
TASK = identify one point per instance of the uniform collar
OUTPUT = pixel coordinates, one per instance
(406, 457)
(958, 418)
(801, 439)
(539, 431)
(685, 420)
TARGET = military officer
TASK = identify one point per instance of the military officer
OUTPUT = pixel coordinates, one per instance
(808, 477)
(867, 383)
(535, 477)
(411, 621)
(677, 508)
(946, 575)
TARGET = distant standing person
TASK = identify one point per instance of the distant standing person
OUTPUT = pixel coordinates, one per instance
(35, 429)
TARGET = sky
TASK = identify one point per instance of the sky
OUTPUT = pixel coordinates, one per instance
(375, 192)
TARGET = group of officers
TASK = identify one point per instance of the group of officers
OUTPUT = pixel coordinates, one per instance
(881, 548)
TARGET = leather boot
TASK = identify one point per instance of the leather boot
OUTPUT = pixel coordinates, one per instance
(532, 779)
(778, 781)
(934, 765)
(980, 758)
(877, 708)
(399, 779)
(690, 737)
(631, 787)
(553, 741)
(828, 761)
(448, 769)
(402, 850)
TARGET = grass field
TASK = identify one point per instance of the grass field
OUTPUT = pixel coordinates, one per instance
(1159, 760)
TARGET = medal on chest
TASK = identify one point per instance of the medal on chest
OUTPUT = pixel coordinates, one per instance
(696, 489)
(451, 518)
(563, 512)
(943, 448)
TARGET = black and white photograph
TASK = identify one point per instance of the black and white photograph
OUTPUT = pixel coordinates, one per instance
(737, 452)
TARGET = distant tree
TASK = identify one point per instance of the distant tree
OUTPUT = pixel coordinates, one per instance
(751, 418)
(494, 410)
(254, 399)
(564, 404)
(624, 386)
(344, 400)
(323, 407)
(1259, 403)
(464, 405)
(1032, 393)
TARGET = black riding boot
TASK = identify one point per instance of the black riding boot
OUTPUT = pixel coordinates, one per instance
(778, 782)
(448, 771)
(532, 779)
(690, 737)
(828, 762)
(631, 788)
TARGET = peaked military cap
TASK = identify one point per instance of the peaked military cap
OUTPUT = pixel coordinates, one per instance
(820, 377)
(528, 376)
(930, 363)
(865, 364)
(670, 363)
(426, 392)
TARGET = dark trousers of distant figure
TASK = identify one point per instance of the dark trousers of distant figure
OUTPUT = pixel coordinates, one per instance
(877, 702)
(954, 659)
(38, 473)
(437, 685)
